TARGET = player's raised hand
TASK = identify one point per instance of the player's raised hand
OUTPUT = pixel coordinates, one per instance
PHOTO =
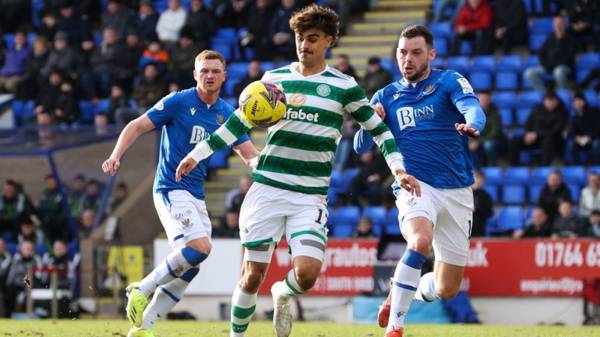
(185, 167)
(111, 166)
(379, 110)
(408, 182)
(466, 128)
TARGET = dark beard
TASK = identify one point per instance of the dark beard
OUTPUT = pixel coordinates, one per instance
(418, 74)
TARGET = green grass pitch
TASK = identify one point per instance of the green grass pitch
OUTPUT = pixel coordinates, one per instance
(119, 328)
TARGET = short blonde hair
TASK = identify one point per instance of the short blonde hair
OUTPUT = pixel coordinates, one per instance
(210, 55)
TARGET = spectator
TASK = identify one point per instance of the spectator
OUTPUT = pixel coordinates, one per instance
(15, 60)
(235, 197)
(155, 53)
(254, 74)
(104, 61)
(18, 279)
(48, 25)
(584, 134)
(557, 57)
(120, 194)
(67, 110)
(200, 22)
(483, 206)
(552, 193)
(126, 61)
(170, 23)
(117, 18)
(62, 58)
(51, 211)
(567, 224)
(86, 223)
(47, 98)
(257, 34)
(441, 9)
(544, 130)
(229, 228)
(376, 77)
(118, 100)
(146, 20)
(364, 229)
(66, 269)
(593, 228)
(582, 16)
(28, 232)
(281, 35)
(31, 81)
(344, 155)
(590, 196)
(538, 226)
(14, 205)
(492, 140)
(85, 74)
(366, 188)
(5, 262)
(75, 195)
(510, 21)
(72, 25)
(232, 13)
(343, 65)
(92, 196)
(147, 92)
(474, 23)
(182, 59)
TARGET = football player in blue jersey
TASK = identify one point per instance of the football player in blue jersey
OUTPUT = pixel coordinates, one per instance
(431, 113)
(185, 117)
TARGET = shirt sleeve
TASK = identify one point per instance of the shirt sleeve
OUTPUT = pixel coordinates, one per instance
(163, 111)
(244, 137)
(233, 129)
(463, 97)
(357, 105)
(363, 142)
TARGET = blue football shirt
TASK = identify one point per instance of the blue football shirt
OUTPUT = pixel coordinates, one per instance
(421, 117)
(185, 120)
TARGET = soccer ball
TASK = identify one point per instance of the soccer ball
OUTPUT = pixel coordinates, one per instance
(262, 104)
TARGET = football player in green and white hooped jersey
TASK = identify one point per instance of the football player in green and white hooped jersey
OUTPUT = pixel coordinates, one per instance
(293, 171)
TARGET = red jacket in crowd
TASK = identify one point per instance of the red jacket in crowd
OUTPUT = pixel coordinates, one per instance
(475, 19)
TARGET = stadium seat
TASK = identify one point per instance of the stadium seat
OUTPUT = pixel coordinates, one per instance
(536, 41)
(466, 47)
(378, 215)
(528, 99)
(237, 70)
(481, 80)
(392, 229)
(588, 61)
(344, 220)
(22, 111)
(458, 63)
(506, 80)
(592, 98)
(507, 117)
(532, 60)
(438, 63)
(505, 99)
(229, 86)
(11, 247)
(539, 174)
(41, 249)
(492, 190)
(441, 46)
(510, 62)
(581, 74)
(226, 34)
(348, 175)
(510, 218)
(336, 182)
(86, 109)
(484, 63)
(232, 101)
(493, 175)
(220, 159)
(9, 39)
(522, 115)
(513, 194)
(534, 193)
(574, 175)
(575, 192)
(565, 96)
(341, 231)
(541, 25)
(516, 175)
(443, 29)
(222, 47)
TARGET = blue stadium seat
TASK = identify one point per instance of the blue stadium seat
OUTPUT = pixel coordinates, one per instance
(220, 159)
(507, 116)
(378, 216)
(516, 175)
(226, 34)
(11, 247)
(237, 70)
(592, 98)
(341, 231)
(525, 84)
(574, 175)
(532, 60)
(536, 41)
(588, 61)
(392, 229)
(222, 47)
(510, 218)
(22, 111)
(506, 80)
(514, 194)
(528, 99)
(492, 191)
(458, 63)
(539, 174)
(344, 220)
(466, 47)
(594, 169)
(41, 249)
(580, 75)
(438, 63)
(86, 112)
(575, 192)
(9, 38)
(565, 96)
(229, 85)
(510, 62)
(493, 175)
(481, 80)
(541, 25)
(336, 182)
(522, 115)
(348, 175)
(443, 29)
(232, 101)
(534, 192)
(505, 99)
(441, 46)
(484, 63)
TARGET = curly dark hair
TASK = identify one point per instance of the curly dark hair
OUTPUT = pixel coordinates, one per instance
(317, 17)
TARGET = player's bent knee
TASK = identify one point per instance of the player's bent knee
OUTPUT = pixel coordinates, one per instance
(420, 243)
(306, 280)
(251, 281)
(446, 292)
(307, 271)
(193, 256)
(202, 245)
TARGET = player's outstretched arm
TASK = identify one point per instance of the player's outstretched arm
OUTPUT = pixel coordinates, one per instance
(474, 117)
(226, 135)
(248, 152)
(130, 133)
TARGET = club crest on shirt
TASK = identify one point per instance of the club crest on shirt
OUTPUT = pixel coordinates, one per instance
(297, 100)
(323, 90)
(220, 118)
(428, 90)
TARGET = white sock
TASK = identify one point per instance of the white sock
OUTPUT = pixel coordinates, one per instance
(292, 288)
(426, 291)
(405, 282)
(243, 306)
(163, 301)
(173, 266)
